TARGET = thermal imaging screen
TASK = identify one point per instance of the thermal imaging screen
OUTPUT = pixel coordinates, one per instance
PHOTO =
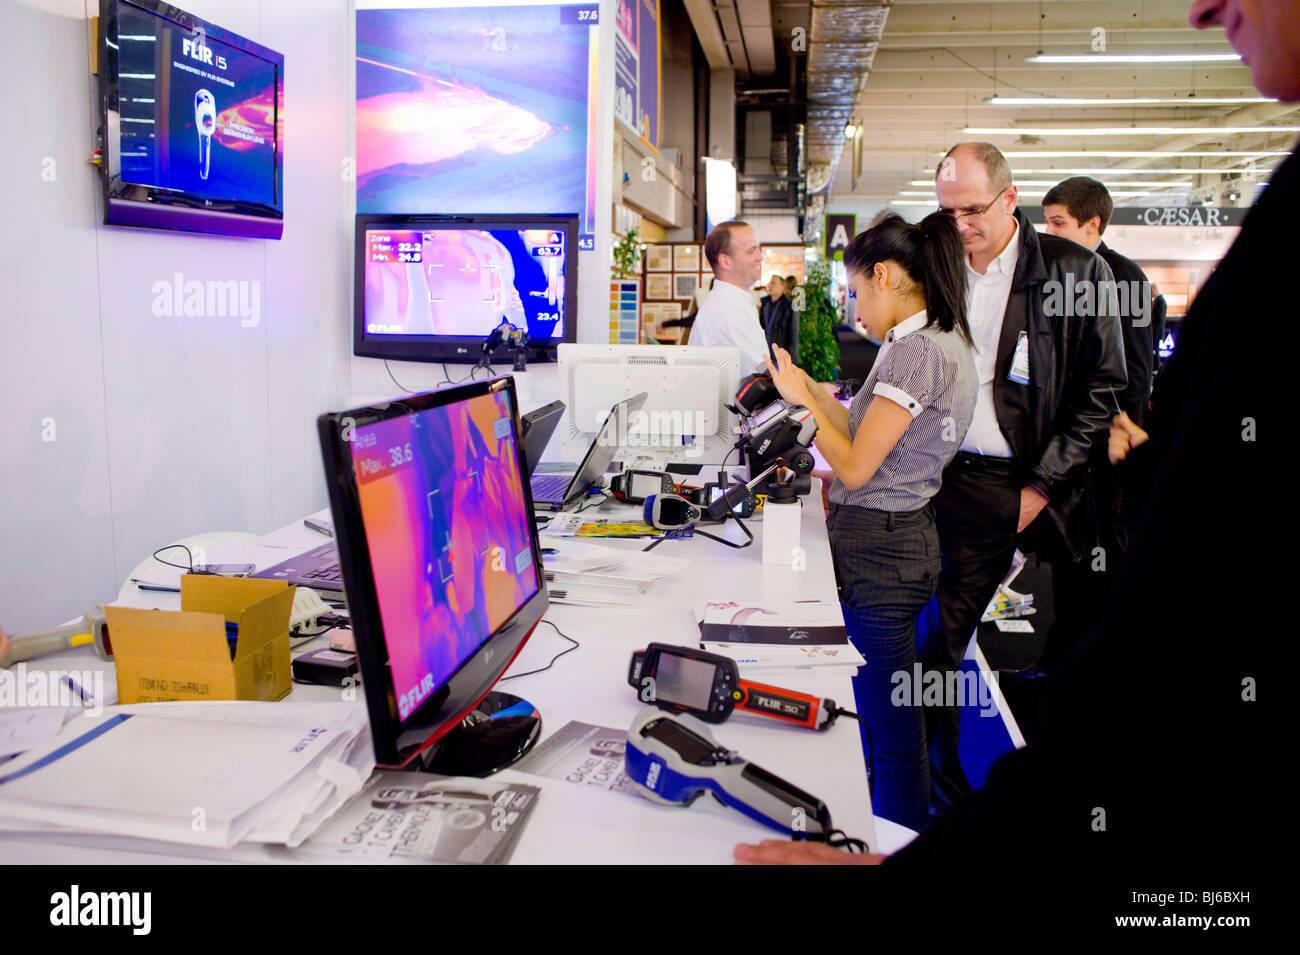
(464, 281)
(197, 115)
(449, 532)
(466, 107)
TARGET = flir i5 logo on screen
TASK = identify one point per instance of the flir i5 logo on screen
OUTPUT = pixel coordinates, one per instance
(196, 49)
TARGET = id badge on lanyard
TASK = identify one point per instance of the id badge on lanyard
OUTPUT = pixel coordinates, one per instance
(1020, 363)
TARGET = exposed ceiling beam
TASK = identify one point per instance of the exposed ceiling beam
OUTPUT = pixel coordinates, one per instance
(756, 28)
(707, 30)
(729, 20)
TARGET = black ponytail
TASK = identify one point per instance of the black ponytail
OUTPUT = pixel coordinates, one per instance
(943, 273)
(931, 254)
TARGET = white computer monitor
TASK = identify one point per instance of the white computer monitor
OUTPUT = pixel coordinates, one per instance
(685, 417)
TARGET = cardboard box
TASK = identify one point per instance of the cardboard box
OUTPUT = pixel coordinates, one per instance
(184, 655)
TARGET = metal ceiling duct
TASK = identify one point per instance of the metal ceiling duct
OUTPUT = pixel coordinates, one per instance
(842, 39)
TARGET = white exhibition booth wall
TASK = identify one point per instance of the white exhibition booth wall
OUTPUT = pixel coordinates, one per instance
(126, 427)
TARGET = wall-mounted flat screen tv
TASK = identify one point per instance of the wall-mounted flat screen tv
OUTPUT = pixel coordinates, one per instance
(432, 288)
(192, 120)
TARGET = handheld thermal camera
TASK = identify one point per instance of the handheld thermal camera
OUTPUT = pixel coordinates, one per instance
(673, 760)
(708, 686)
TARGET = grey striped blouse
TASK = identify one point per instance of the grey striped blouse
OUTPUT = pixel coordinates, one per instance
(932, 374)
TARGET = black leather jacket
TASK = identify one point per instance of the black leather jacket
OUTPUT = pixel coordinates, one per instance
(779, 325)
(1058, 424)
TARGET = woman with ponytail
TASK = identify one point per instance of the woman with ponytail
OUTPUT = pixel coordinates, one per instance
(888, 451)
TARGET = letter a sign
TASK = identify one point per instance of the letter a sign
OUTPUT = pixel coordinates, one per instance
(838, 230)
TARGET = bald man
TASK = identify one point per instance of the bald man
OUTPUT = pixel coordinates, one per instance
(1050, 363)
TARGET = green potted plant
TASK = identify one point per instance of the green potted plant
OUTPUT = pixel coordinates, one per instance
(627, 254)
(819, 349)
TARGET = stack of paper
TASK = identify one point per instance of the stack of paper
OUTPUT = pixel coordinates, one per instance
(594, 576)
(412, 818)
(776, 635)
(1007, 603)
(26, 727)
(204, 774)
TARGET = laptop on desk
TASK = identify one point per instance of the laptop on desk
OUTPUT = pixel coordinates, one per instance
(560, 490)
(538, 426)
(317, 568)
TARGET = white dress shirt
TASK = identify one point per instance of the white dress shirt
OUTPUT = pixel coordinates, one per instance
(986, 305)
(728, 319)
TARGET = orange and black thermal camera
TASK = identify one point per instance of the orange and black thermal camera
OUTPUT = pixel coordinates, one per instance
(708, 686)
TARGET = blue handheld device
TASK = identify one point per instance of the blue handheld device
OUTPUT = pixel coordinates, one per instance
(673, 759)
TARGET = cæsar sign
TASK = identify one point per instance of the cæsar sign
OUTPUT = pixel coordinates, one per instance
(1165, 215)
(1184, 215)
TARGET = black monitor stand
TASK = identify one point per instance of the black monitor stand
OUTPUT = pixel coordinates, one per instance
(500, 730)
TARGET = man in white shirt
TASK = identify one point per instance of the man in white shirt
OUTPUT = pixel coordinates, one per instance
(728, 317)
(1047, 381)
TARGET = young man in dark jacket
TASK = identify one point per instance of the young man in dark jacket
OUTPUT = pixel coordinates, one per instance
(1079, 209)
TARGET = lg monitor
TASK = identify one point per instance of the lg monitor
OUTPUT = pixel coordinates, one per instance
(433, 288)
(191, 119)
(442, 571)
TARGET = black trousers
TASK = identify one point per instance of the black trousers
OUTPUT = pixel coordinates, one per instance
(976, 510)
(1080, 590)
(887, 569)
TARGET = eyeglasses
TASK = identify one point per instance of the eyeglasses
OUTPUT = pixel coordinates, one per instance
(967, 216)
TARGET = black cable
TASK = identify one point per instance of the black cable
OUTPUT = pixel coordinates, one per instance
(723, 465)
(871, 774)
(604, 496)
(722, 540)
(575, 646)
(188, 555)
(836, 839)
(400, 387)
(713, 537)
(967, 63)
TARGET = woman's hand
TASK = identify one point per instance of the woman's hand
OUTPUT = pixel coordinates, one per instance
(1124, 437)
(789, 378)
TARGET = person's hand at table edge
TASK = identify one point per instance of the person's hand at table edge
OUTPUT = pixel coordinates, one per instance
(790, 852)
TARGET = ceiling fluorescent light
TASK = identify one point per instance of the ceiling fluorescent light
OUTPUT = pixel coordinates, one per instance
(1151, 58)
(1135, 154)
(1126, 130)
(1038, 194)
(1185, 171)
(1108, 182)
(1119, 101)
